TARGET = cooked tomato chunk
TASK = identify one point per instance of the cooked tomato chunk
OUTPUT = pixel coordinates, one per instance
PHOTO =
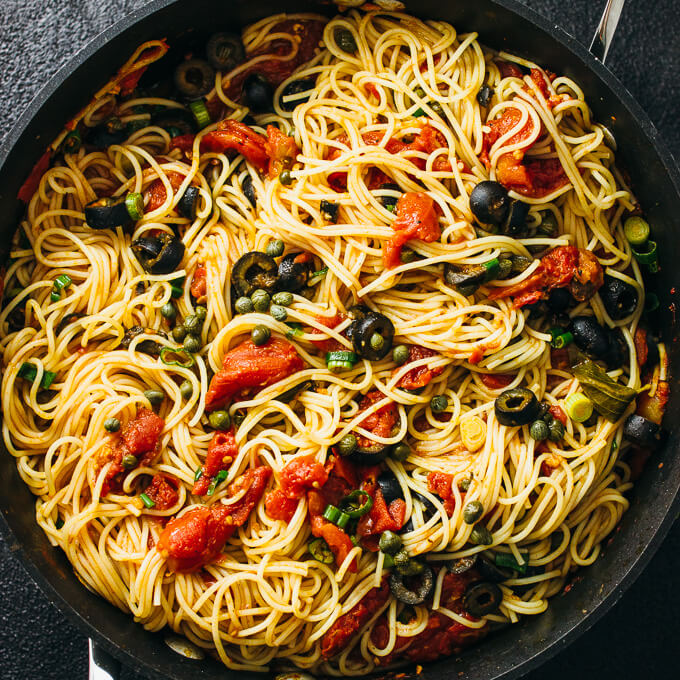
(163, 491)
(248, 368)
(380, 423)
(421, 375)
(199, 284)
(222, 452)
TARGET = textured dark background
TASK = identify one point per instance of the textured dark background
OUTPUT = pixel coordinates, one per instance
(639, 637)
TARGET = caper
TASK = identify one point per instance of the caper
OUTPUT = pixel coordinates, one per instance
(154, 397)
(401, 451)
(347, 445)
(201, 312)
(186, 389)
(275, 248)
(389, 542)
(219, 420)
(438, 403)
(472, 512)
(129, 462)
(283, 298)
(555, 430)
(464, 484)
(400, 354)
(192, 344)
(437, 108)
(244, 305)
(112, 424)
(168, 311)
(345, 40)
(285, 177)
(260, 335)
(377, 341)
(260, 299)
(480, 535)
(193, 323)
(278, 312)
(179, 333)
(539, 430)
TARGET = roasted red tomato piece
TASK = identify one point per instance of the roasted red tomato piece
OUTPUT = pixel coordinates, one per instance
(338, 541)
(440, 483)
(281, 149)
(249, 367)
(198, 537)
(416, 219)
(421, 375)
(301, 475)
(199, 284)
(222, 452)
(156, 192)
(236, 136)
(380, 423)
(162, 491)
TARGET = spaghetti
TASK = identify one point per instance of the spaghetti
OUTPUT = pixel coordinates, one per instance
(381, 128)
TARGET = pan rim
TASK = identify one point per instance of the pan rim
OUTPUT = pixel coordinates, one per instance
(612, 593)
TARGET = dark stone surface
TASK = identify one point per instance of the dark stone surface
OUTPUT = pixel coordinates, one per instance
(636, 639)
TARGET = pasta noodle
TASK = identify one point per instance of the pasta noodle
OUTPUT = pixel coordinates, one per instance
(266, 602)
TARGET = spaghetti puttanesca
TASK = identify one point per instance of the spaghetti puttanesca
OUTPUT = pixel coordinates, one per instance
(343, 432)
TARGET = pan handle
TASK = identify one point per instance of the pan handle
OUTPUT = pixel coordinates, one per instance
(102, 665)
(604, 35)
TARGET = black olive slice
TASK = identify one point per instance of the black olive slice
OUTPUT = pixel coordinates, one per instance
(372, 336)
(371, 454)
(188, 204)
(618, 297)
(517, 406)
(516, 221)
(252, 271)
(107, 213)
(389, 202)
(467, 275)
(482, 598)
(412, 590)
(293, 276)
(159, 254)
(224, 51)
(484, 95)
(329, 211)
(589, 336)
(194, 78)
(249, 190)
(489, 202)
(489, 571)
(389, 486)
(296, 87)
(150, 347)
(258, 93)
(291, 393)
(642, 431)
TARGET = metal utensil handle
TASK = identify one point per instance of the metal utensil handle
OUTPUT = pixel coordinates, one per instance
(604, 35)
(102, 665)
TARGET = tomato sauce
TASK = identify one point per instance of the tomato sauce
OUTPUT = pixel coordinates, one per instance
(440, 483)
(248, 368)
(156, 192)
(222, 452)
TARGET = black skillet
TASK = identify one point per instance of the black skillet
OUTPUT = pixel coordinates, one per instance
(502, 24)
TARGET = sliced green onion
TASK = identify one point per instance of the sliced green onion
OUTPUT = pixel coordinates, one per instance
(508, 560)
(341, 359)
(579, 408)
(134, 204)
(560, 338)
(317, 276)
(146, 500)
(649, 256)
(54, 296)
(342, 520)
(29, 372)
(176, 292)
(62, 281)
(72, 142)
(319, 550)
(221, 476)
(295, 329)
(198, 474)
(352, 505)
(492, 269)
(200, 113)
(636, 230)
(177, 351)
(331, 513)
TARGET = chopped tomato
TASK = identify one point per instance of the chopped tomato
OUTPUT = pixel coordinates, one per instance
(561, 267)
(328, 344)
(139, 438)
(30, 186)
(440, 483)
(222, 452)
(338, 636)
(237, 136)
(641, 348)
(279, 506)
(508, 69)
(557, 413)
(198, 537)
(184, 143)
(421, 375)
(416, 218)
(249, 367)
(307, 35)
(281, 149)
(199, 284)
(429, 140)
(442, 636)
(496, 381)
(380, 517)
(382, 422)
(156, 190)
(301, 475)
(163, 491)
